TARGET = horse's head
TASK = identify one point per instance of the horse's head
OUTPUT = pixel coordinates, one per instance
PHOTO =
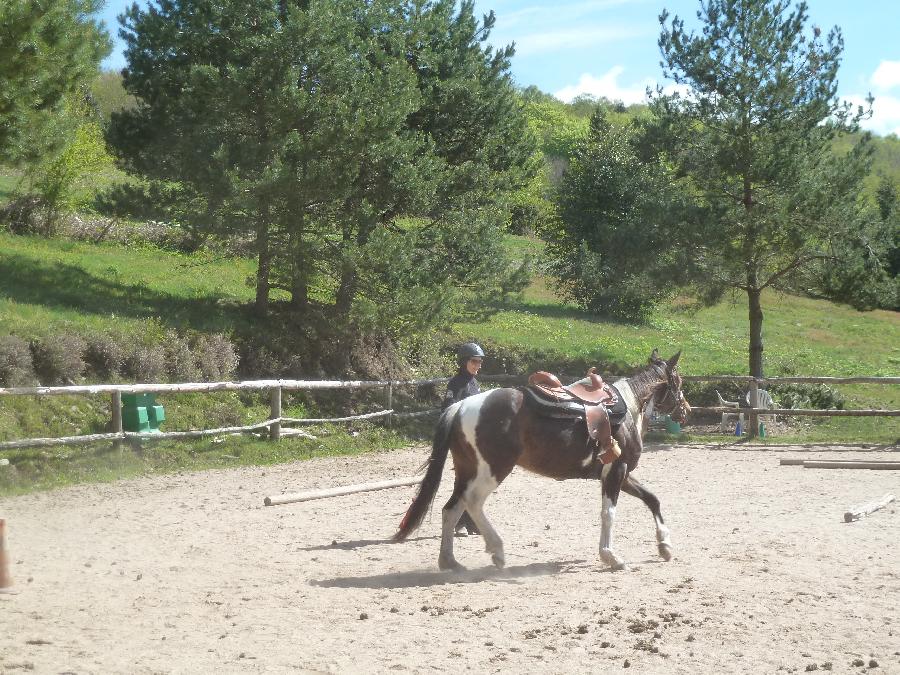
(667, 396)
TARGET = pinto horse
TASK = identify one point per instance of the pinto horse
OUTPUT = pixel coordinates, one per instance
(490, 433)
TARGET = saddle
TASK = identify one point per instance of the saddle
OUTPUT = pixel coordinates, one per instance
(589, 398)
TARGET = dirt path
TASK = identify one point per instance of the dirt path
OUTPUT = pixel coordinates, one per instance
(192, 574)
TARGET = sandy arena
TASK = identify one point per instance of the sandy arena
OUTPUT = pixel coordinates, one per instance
(192, 574)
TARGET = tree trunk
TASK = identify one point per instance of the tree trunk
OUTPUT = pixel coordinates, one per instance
(299, 273)
(347, 290)
(264, 269)
(756, 341)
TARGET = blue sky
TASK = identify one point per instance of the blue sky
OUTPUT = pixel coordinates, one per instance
(608, 47)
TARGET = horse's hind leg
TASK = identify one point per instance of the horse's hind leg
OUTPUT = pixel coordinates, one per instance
(453, 509)
(635, 489)
(475, 496)
(613, 475)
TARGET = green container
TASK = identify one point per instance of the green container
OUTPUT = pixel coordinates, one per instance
(672, 426)
(141, 413)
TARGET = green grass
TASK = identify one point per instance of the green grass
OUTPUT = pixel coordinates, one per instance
(51, 282)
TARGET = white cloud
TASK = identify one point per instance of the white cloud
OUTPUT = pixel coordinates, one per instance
(886, 75)
(569, 38)
(885, 114)
(607, 85)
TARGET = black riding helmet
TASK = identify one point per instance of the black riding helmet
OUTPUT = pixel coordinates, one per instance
(468, 351)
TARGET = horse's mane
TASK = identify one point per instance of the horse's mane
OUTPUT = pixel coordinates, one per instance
(644, 382)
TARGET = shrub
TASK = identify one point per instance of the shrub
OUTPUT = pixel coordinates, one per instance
(105, 355)
(144, 362)
(15, 362)
(216, 357)
(181, 363)
(814, 396)
(58, 359)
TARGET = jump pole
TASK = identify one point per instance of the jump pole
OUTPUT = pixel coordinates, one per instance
(858, 512)
(844, 463)
(338, 492)
(830, 464)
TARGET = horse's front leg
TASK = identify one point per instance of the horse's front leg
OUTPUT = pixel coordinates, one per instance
(633, 487)
(611, 481)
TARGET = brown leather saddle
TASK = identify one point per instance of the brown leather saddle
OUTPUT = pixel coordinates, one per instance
(589, 398)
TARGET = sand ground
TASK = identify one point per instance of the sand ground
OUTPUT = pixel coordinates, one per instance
(191, 573)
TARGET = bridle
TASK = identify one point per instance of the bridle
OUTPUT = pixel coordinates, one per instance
(674, 397)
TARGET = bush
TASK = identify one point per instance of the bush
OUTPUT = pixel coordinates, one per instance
(216, 357)
(58, 359)
(105, 356)
(181, 363)
(811, 396)
(15, 362)
(144, 362)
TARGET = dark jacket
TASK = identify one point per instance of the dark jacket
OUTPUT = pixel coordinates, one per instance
(462, 385)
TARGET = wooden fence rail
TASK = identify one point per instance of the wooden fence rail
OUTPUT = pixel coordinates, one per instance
(275, 387)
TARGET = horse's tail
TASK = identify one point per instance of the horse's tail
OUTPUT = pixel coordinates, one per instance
(429, 485)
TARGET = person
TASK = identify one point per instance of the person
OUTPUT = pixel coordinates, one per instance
(469, 358)
(462, 385)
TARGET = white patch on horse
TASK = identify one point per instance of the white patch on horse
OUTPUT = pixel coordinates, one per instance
(469, 414)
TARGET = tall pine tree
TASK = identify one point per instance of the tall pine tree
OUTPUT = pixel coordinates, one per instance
(752, 140)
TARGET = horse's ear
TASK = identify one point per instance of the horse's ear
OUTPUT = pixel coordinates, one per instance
(654, 357)
(671, 363)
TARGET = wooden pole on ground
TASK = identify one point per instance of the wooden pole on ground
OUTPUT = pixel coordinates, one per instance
(858, 512)
(801, 462)
(337, 492)
(830, 464)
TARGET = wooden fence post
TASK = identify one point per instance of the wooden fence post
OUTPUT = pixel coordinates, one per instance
(754, 402)
(115, 406)
(390, 402)
(275, 413)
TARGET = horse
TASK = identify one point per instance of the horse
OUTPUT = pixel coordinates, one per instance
(491, 433)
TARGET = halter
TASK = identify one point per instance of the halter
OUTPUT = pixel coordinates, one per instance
(680, 407)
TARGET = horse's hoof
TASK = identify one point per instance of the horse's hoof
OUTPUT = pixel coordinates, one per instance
(615, 563)
(499, 560)
(665, 552)
(449, 565)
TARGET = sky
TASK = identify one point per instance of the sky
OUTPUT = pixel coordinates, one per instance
(609, 47)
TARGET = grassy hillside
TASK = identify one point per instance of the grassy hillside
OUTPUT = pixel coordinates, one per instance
(58, 285)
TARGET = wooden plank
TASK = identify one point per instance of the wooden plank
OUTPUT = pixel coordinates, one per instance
(799, 412)
(858, 512)
(831, 464)
(340, 491)
(792, 380)
(798, 461)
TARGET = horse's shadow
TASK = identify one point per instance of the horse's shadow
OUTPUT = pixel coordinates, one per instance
(359, 543)
(424, 578)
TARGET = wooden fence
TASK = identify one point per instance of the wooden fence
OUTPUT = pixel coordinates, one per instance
(276, 420)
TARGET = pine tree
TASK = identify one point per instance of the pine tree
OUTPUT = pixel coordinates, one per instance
(49, 50)
(308, 126)
(752, 140)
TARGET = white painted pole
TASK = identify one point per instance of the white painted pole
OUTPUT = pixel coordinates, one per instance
(858, 512)
(337, 492)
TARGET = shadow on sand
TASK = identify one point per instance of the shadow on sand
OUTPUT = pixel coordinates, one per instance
(420, 578)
